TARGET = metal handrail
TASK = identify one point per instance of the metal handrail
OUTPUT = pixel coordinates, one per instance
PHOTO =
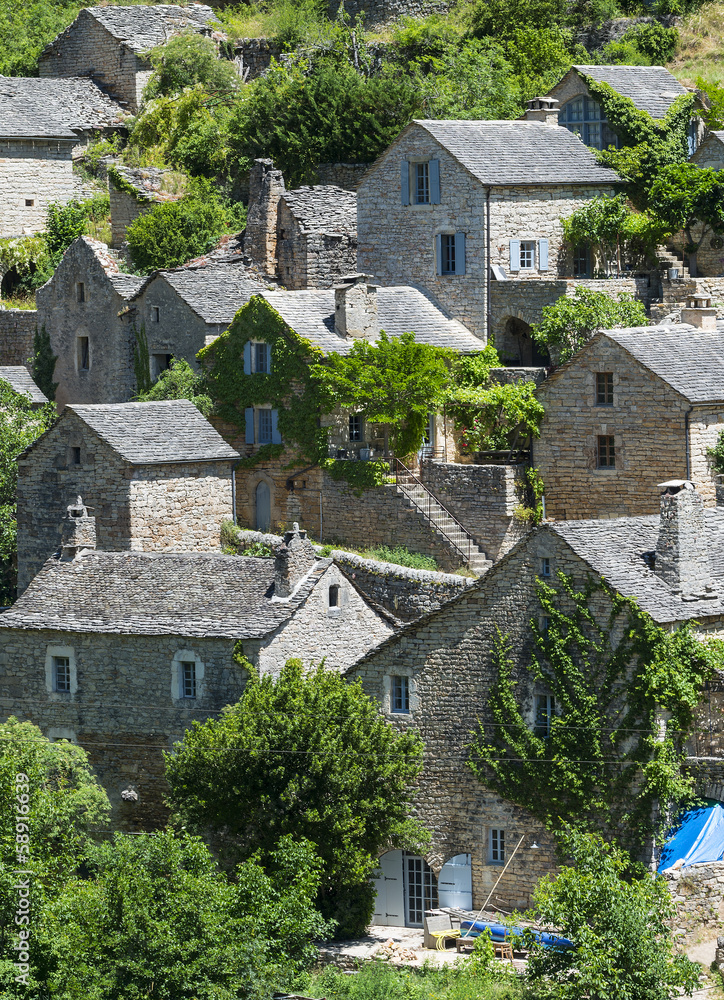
(429, 495)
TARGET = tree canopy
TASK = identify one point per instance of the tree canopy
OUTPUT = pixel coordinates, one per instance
(188, 59)
(571, 321)
(616, 233)
(689, 198)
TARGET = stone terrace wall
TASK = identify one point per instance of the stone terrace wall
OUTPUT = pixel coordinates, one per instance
(344, 175)
(698, 892)
(256, 54)
(125, 209)
(17, 329)
(382, 11)
(482, 497)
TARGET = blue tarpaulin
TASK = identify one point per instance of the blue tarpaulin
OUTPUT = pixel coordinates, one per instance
(698, 838)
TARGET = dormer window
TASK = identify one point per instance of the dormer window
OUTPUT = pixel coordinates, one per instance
(583, 117)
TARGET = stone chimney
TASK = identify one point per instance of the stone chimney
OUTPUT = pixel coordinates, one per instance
(293, 561)
(682, 549)
(699, 312)
(355, 308)
(542, 109)
(266, 186)
(77, 531)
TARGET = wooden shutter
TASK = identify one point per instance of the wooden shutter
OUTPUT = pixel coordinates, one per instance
(542, 255)
(276, 436)
(438, 254)
(247, 358)
(459, 253)
(405, 182)
(515, 255)
(249, 421)
(434, 174)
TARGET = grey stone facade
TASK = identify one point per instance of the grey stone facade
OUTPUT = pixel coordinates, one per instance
(33, 173)
(17, 329)
(152, 186)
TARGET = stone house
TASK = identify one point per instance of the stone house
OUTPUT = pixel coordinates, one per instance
(710, 152)
(632, 408)
(20, 380)
(451, 206)
(43, 125)
(109, 45)
(307, 238)
(435, 674)
(157, 477)
(121, 651)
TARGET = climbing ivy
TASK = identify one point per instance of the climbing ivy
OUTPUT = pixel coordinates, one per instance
(359, 475)
(44, 362)
(141, 361)
(120, 183)
(606, 760)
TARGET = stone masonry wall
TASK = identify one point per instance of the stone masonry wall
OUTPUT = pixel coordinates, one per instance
(383, 11)
(309, 258)
(397, 242)
(344, 175)
(125, 209)
(482, 497)
(705, 425)
(645, 409)
(17, 330)
(698, 892)
(709, 259)
(255, 55)
(123, 710)
(33, 173)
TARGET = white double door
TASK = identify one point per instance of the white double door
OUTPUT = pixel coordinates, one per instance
(406, 887)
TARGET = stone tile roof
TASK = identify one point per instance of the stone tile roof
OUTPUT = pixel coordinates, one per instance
(125, 284)
(502, 153)
(143, 27)
(323, 208)
(48, 107)
(216, 290)
(651, 88)
(400, 308)
(157, 433)
(158, 593)
(614, 549)
(21, 381)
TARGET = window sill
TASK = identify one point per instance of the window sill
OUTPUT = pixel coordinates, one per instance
(605, 469)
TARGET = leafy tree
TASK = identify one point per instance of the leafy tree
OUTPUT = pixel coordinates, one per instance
(598, 760)
(713, 115)
(305, 754)
(44, 362)
(689, 198)
(186, 60)
(156, 917)
(25, 30)
(65, 223)
(499, 18)
(540, 57)
(615, 232)
(20, 424)
(618, 922)
(173, 233)
(179, 381)
(395, 382)
(472, 80)
(571, 321)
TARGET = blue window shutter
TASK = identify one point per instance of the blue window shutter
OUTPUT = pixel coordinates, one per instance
(459, 253)
(249, 421)
(434, 173)
(438, 254)
(247, 358)
(542, 255)
(515, 255)
(276, 436)
(405, 182)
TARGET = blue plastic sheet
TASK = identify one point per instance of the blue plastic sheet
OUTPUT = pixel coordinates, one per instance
(698, 838)
(499, 932)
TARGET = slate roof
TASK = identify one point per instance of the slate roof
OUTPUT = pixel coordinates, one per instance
(54, 108)
(143, 27)
(125, 284)
(614, 549)
(21, 381)
(158, 593)
(400, 308)
(514, 153)
(651, 88)
(323, 208)
(215, 291)
(158, 433)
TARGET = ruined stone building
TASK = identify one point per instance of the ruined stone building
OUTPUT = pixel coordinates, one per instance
(133, 191)
(632, 408)
(156, 476)
(108, 44)
(307, 238)
(20, 380)
(43, 124)
(436, 673)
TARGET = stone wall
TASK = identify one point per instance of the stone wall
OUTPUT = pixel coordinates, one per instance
(17, 330)
(705, 425)
(698, 892)
(709, 259)
(343, 175)
(255, 55)
(125, 209)
(313, 255)
(482, 497)
(33, 173)
(378, 12)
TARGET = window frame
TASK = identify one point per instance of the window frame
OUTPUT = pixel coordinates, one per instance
(421, 176)
(542, 729)
(80, 295)
(605, 453)
(447, 254)
(545, 568)
(65, 666)
(604, 388)
(184, 675)
(399, 694)
(333, 595)
(256, 349)
(265, 410)
(83, 349)
(355, 432)
(590, 125)
(530, 254)
(496, 845)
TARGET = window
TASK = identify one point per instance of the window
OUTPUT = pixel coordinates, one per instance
(545, 624)
(545, 567)
(188, 678)
(155, 314)
(582, 261)
(527, 255)
(61, 674)
(261, 426)
(76, 456)
(261, 358)
(83, 354)
(29, 202)
(265, 427)
(334, 595)
(355, 426)
(604, 388)
(497, 847)
(606, 452)
(584, 118)
(447, 259)
(545, 709)
(80, 291)
(422, 183)
(400, 694)
(160, 363)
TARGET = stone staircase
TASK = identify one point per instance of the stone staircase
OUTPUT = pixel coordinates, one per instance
(674, 291)
(671, 257)
(447, 527)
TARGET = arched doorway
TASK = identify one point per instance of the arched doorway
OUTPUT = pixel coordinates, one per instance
(262, 506)
(518, 349)
(406, 887)
(455, 882)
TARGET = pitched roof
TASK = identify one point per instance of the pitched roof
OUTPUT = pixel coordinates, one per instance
(651, 88)
(125, 284)
(513, 153)
(158, 433)
(215, 291)
(400, 308)
(143, 27)
(158, 593)
(54, 107)
(20, 379)
(323, 208)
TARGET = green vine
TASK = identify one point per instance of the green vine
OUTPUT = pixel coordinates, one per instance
(141, 361)
(120, 183)
(44, 362)
(604, 759)
(530, 492)
(360, 476)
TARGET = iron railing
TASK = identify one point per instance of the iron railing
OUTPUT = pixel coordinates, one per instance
(426, 502)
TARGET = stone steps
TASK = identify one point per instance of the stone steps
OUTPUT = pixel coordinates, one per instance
(421, 500)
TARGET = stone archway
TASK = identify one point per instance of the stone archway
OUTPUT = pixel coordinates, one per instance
(517, 348)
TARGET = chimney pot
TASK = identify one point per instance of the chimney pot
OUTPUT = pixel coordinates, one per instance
(699, 312)
(294, 558)
(77, 531)
(542, 109)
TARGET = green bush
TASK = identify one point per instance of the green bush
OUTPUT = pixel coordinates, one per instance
(401, 557)
(184, 61)
(173, 233)
(179, 381)
(570, 322)
(500, 18)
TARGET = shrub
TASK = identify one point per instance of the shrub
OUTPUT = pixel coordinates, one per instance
(173, 233)
(184, 61)
(570, 322)
(401, 557)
